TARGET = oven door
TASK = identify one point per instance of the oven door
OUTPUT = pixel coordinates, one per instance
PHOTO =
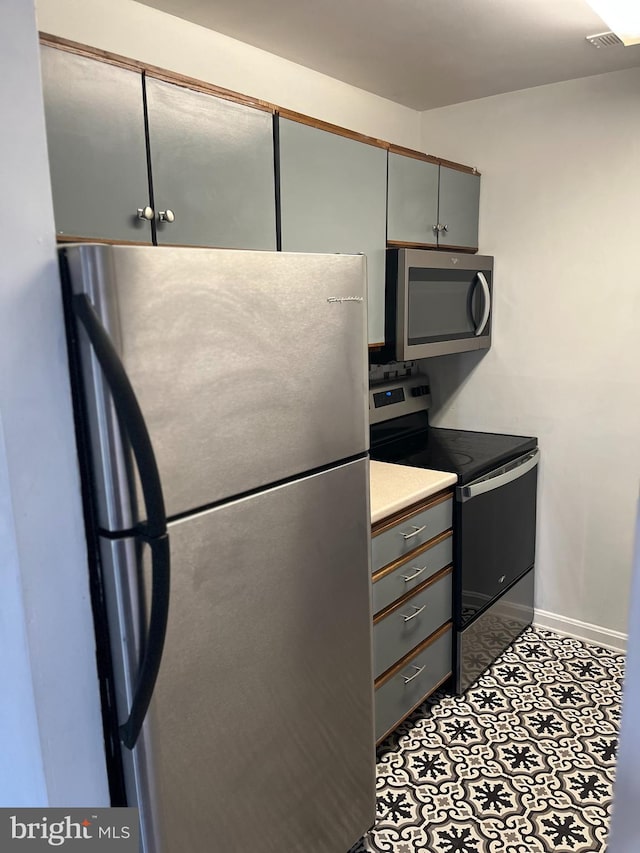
(444, 306)
(496, 534)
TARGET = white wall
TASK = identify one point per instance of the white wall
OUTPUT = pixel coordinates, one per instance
(137, 31)
(560, 210)
(51, 741)
(19, 737)
(625, 826)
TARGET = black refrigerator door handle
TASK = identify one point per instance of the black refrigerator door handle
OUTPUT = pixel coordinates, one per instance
(160, 590)
(132, 423)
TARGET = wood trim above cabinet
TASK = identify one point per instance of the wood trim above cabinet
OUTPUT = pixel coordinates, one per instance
(449, 164)
(431, 158)
(228, 94)
(155, 72)
(207, 88)
(416, 155)
(409, 511)
(319, 124)
(91, 52)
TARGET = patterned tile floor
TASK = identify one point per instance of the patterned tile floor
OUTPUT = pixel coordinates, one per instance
(523, 763)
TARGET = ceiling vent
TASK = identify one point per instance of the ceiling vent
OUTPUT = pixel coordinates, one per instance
(604, 40)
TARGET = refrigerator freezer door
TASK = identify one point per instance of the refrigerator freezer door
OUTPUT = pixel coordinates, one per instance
(226, 351)
(260, 731)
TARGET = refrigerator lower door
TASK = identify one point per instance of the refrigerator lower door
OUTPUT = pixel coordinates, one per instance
(260, 731)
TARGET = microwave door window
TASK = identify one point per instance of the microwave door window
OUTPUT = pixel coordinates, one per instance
(443, 305)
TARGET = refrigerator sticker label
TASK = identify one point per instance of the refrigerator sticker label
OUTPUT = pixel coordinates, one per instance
(69, 829)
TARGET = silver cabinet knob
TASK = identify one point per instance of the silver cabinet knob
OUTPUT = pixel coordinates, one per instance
(444, 227)
(146, 213)
(435, 228)
(166, 215)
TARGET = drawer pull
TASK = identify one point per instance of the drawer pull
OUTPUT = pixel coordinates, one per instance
(416, 530)
(417, 572)
(411, 677)
(413, 615)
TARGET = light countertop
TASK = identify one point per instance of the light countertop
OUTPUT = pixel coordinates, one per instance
(394, 487)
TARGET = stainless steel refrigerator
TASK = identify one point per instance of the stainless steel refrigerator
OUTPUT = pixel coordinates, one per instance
(222, 406)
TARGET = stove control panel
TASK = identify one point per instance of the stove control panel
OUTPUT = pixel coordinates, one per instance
(387, 397)
(389, 400)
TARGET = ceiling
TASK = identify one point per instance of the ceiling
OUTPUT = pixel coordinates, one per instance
(421, 53)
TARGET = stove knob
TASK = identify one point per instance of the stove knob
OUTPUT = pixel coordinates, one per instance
(420, 390)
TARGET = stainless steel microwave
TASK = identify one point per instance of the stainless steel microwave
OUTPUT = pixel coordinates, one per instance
(436, 303)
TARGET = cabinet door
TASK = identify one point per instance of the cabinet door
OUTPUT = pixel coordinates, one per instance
(458, 208)
(212, 166)
(412, 205)
(97, 150)
(333, 199)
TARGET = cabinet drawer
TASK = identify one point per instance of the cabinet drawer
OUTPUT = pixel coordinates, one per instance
(396, 582)
(413, 681)
(410, 533)
(410, 621)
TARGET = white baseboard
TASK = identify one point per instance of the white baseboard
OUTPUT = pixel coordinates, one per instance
(581, 630)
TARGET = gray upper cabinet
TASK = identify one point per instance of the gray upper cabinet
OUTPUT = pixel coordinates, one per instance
(213, 169)
(333, 199)
(412, 213)
(431, 205)
(97, 150)
(459, 200)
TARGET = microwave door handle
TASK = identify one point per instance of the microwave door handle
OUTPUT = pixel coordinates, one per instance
(465, 493)
(487, 304)
(154, 531)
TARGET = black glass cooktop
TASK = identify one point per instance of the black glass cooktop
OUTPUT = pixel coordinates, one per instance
(410, 441)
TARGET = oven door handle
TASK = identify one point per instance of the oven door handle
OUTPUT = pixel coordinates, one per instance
(522, 467)
(487, 304)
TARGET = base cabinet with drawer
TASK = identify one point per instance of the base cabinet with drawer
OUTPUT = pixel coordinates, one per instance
(412, 605)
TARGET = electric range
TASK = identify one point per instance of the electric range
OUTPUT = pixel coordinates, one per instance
(494, 525)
